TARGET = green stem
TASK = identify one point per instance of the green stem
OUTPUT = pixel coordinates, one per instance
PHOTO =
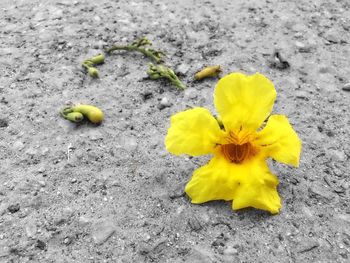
(175, 80)
(161, 71)
(154, 55)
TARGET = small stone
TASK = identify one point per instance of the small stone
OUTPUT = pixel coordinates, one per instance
(84, 221)
(307, 212)
(302, 48)
(324, 69)
(230, 251)
(320, 191)
(346, 87)
(302, 94)
(339, 190)
(337, 155)
(65, 215)
(332, 36)
(164, 103)
(74, 180)
(95, 135)
(102, 230)
(307, 246)
(18, 146)
(146, 237)
(45, 151)
(97, 18)
(3, 123)
(40, 244)
(31, 152)
(41, 170)
(42, 183)
(182, 69)
(194, 223)
(178, 190)
(67, 241)
(146, 95)
(278, 61)
(128, 143)
(14, 208)
(200, 255)
(31, 229)
(343, 217)
(3, 208)
(191, 93)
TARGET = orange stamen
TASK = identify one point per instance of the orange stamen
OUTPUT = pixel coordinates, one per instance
(238, 153)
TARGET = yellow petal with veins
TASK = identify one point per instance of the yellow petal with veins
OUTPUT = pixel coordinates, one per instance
(194, 132)
(244, 101)
(279, 141)
(249, 184)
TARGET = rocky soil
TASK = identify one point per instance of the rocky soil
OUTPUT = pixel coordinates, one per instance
(111, 193)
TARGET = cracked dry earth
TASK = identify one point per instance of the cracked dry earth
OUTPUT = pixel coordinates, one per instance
(111, 193)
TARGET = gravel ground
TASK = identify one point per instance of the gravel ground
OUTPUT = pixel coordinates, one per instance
(111, 193)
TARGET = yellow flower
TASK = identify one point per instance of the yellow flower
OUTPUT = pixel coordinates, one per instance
(238, 170)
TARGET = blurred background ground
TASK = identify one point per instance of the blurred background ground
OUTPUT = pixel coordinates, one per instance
(79, 193)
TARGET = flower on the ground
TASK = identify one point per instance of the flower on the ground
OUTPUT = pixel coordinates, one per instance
(238, 170)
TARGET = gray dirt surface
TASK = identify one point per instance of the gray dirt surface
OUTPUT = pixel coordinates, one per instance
(112, 193)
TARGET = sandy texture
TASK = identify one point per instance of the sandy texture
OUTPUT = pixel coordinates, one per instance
(80, 193)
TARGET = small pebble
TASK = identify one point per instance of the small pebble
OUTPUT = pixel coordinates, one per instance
(200, 255)
(177, 190)
(346, 87)
(278, 61)
(146, 95)
(84, 221)
(191, 93)
(31, 152)
(343, 217)
(3, 209)
(128, 143)
(41, 170)
(164, 103)
(31, 229)
(324, 69)
(332, 36)
(182, 69)
(303, 48)
(319, 191)
(103, 230)
(45, 151)
(13, 208)
(95, 135)
(308, 245)
(64, 216)
(18, 145)
(67, 241)
(40, 244)
(42, 183)
(194, 223)
(3, 123)
(230, 251)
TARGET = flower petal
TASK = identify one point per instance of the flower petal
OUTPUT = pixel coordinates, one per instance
(194, 132)
(244, 100)
(249, 184)
(213, 181)
(262, 195)
(280, 141)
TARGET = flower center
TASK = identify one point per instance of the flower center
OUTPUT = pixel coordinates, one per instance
(237, 153)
